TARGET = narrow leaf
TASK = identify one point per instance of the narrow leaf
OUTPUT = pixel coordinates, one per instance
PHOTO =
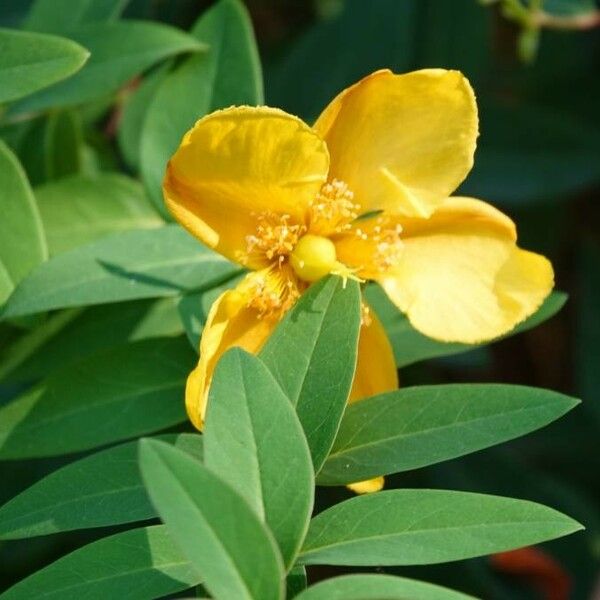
(102, 489)
(214, 526)
(312, 355)
(63, 145)
(119, 51)
(415, 527)
(114, 395)
(420, 426)
(142, 564)
(32, 61)
(124, 266)
(22, 241)
(60, 16)
(255, 443)
(80, 209)
(378, 587)
(70, 335)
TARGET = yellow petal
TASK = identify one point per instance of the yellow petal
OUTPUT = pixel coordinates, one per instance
(368, 486)
(462, 278)
(237, 163)
(403, 143)
(376, 371)
(231, 322)
(371, 246)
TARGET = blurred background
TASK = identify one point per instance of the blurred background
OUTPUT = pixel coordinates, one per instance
(538, 159)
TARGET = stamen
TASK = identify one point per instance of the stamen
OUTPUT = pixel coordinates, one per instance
(386, 240)
(365, 315)
(271, 293)
(346, 273)
(275, 237)
(333, 210)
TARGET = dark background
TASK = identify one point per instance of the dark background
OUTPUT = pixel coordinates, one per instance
(538, 159)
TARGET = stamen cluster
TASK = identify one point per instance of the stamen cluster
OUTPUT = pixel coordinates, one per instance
(275, 236)
(333, 209)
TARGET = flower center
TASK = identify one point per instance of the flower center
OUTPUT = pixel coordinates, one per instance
(313, 257)
(275, 237)
(333, 209)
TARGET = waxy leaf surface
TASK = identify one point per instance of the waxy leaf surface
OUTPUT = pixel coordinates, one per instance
(214, 526)
(255, 443)
(312, 355)
(416, 527)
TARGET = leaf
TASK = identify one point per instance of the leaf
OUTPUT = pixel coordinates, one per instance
(73, 334)
(255, 443)
(22, 242)
(378, 587)
(60, 16)
(214, 526)
(63, 145)
(420, 426)
(119, 51)
(143, 561)
(124, 266)
(312, 354)
(102, 489)
(410, 346)
(32, 61)
(114, 395)
(229, 73)
(80, 209)
(135, 108)
(295, 581)
(416, 527)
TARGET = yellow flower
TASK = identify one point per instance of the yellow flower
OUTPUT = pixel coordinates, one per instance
(364, 193)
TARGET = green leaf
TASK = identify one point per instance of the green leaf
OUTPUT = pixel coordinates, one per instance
(229, 73)
(60, 16)
(295, 582)
(410, 346)
(141, 563)
(22, 241)
(63, 144)
(80, 209)
(378, 587)
(312, 355)
(135, 108)
(105, 488)
(32, 61)
(124, 266)
(214, 526)
(119, 51)
(416, 527)
(424, 425)
(255, 443)
(114, 395)
(73, 334)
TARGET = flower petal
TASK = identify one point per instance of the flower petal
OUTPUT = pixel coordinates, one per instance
(368, 486)
(237, 163)
(403, 143)
(462, 278)
(231, 322)
(376, 367)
